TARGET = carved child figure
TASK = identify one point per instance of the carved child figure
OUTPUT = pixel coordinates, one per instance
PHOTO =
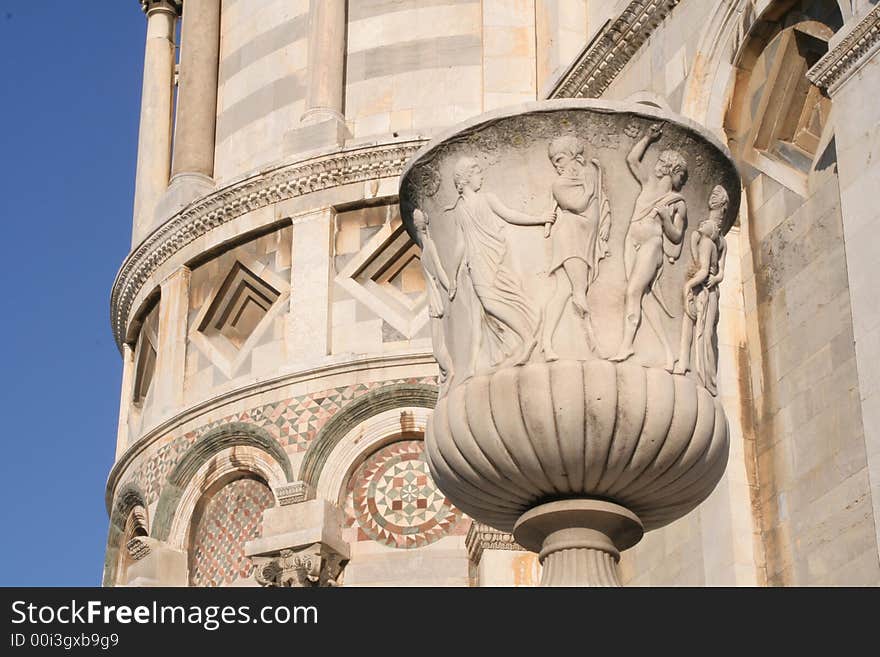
(436, 279)
(709, 251)
(501, 304)
(656, 229)
(580, 235)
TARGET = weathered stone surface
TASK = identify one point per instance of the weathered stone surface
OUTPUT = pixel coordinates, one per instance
(552, 238)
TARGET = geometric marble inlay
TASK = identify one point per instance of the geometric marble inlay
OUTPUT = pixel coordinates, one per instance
(230, 518)
(293, 422)
(393, 499)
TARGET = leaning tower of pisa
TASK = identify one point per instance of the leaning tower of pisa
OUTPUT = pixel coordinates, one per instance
(272, 315)
(274, 324)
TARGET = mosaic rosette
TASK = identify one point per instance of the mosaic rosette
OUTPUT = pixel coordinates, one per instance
(394, 500)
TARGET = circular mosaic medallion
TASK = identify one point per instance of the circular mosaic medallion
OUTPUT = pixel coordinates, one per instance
(395, 501)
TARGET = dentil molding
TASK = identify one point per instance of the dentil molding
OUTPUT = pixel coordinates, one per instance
(849, 54)
(611, 49)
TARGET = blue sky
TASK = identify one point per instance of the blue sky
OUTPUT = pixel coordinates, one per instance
(71, 77)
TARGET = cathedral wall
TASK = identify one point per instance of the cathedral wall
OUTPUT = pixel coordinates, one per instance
(858, 155)
(412, 68)
(262, 81)
(804, 479)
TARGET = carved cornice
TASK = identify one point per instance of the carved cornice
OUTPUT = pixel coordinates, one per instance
(483, 537)
(224, 205)
(611, 49)
(844, 59)
(295, 493)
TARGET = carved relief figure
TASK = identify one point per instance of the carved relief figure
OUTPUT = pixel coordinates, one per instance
(656, 230)
(709, 251)
(436, 279)
(580, 235)
(502, 306)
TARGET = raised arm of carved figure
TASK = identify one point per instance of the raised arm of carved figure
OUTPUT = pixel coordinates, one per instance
(634, 158)
(516, 217)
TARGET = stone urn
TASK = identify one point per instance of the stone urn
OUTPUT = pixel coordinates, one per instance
(573, 252)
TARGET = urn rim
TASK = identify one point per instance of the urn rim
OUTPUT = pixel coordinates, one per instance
(550, 106)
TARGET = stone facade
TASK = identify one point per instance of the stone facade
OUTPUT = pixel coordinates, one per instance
(274, 322)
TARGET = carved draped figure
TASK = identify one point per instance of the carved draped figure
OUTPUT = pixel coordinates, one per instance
(583, 208)
(491, 279)
(705, 331)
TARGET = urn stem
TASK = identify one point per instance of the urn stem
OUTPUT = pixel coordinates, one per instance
(580, 567)
(579, 541)
(579, 557)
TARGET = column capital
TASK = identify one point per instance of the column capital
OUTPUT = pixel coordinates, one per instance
(482, 537)
(173, 6)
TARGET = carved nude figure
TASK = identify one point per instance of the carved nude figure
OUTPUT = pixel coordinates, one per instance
(580, 235)
(709, 252)
(436, 279)
(656, 230)
(501, 304)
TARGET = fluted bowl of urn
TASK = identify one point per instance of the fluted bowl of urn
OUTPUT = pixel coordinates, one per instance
(573, 252)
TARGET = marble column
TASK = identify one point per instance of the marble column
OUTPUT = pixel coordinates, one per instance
(197, 92)
(154, 137)
(323, 122)
(326, 61)
(192, 167)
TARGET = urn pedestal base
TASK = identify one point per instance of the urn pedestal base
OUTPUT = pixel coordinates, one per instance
(579, 541)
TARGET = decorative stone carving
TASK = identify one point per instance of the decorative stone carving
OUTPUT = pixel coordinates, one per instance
(438, 287)
(699, 324)
(141, 546)
(498, 303)
(482, 537)
(654, 234)
(594, 71)
(300, 546)
(580, 235)
(295, 493)
(313, 566)
(845, 58)
(622, 445)
(228, 203)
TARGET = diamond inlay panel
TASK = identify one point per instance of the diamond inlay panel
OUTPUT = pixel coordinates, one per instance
(230, 518)
(393, 500)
